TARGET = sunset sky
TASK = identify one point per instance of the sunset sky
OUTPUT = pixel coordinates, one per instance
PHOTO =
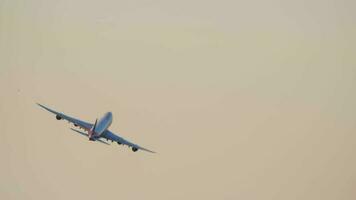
(251, 100)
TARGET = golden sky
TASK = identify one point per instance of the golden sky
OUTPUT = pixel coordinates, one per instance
(250, 100)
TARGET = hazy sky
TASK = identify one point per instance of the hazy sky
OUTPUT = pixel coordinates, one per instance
(250, 100)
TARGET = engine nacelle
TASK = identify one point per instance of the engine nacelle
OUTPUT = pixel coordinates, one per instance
(134, 149)
(58, 117)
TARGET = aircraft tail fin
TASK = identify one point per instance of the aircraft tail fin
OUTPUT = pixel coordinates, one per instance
(96, 121)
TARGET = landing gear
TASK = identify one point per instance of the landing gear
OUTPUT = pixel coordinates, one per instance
(119, 143)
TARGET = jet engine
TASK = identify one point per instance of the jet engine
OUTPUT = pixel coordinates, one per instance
(58, 117)
(134, 149)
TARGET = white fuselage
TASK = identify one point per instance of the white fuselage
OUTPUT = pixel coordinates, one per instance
(103, 124)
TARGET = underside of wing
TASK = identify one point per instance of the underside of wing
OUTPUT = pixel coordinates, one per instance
(76, 122)
(111, 136)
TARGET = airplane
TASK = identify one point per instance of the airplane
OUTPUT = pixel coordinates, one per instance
(97, 131)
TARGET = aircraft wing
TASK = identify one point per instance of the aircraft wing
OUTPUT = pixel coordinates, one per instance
(80, 123)
(111, 136)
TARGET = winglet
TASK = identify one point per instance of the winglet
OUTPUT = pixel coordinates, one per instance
(41, 105)
(48, 109)
(144, 149)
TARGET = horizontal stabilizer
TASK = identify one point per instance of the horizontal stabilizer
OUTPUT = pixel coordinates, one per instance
(81, 133)
(84, 134)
